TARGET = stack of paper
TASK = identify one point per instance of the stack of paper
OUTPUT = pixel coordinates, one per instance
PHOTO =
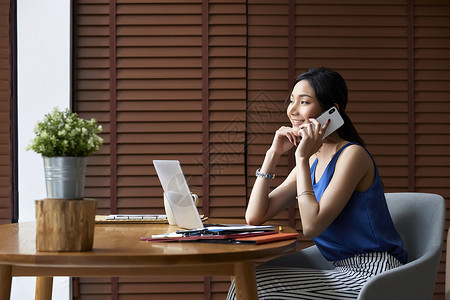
(236, 234)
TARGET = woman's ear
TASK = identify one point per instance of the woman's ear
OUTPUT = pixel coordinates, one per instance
(337, 106)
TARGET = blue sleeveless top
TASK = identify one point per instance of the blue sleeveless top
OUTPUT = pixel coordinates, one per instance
(363, 226)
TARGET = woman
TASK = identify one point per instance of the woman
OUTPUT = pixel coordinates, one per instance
(339, 194)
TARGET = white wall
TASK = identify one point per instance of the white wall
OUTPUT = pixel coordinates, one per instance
(44, 43)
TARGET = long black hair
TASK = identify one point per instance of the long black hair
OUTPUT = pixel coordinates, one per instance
(330, 88)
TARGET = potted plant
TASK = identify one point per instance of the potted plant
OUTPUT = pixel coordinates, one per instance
(65, 140)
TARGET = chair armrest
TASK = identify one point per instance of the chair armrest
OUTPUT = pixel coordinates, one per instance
(414, 280)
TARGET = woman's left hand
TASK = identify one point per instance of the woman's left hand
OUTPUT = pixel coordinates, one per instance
(312, 134)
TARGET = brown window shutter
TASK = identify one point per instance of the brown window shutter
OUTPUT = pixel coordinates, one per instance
(431, 104)
(139, 72)
(367, 44)
(5, 94)
(227, 105)
(268, 85)
(92, 91)
(166, 85)
(432, 76)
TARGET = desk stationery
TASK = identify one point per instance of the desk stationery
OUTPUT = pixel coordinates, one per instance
(118, 251)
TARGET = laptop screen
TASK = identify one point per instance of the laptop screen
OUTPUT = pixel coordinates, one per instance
(178, 194)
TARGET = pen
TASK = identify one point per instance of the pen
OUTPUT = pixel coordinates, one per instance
(194, 232)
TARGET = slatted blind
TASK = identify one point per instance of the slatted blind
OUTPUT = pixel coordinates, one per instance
(92, 95)
(431, 105)
(204, 82)
(92, 86)
(5, 155)
(268, 84)
(227, 107)
(367, 43)
(152, 99)
(227, 65)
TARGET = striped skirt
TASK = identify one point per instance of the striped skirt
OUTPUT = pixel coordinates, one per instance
(343, 282)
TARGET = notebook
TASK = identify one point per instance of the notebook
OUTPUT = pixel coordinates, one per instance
(263, 239)
(178, 194)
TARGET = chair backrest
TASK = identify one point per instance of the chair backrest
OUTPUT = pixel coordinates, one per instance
(420, 220)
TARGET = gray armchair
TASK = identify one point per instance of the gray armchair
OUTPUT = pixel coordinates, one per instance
(420, 220)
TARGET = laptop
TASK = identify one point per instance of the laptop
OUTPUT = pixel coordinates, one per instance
(182, 205)
(178, 194)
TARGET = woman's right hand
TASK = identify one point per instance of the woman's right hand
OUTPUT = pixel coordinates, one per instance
(284, 139)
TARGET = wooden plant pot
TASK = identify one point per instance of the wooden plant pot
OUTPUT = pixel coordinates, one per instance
(65, 225)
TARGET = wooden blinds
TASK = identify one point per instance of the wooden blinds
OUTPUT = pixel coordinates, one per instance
(5, 96)
(204, 82)
(167, 81)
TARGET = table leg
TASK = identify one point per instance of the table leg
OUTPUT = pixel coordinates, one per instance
(245, 281)
(44, 287)
(5, 282)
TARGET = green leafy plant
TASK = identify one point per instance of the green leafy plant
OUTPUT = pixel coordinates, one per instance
(64, 133)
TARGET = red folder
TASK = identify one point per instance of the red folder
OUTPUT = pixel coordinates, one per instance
(262, 239)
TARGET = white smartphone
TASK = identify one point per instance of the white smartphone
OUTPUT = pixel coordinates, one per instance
(336, 120)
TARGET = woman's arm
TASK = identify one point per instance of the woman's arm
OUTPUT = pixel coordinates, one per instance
(263, 205)
(354, 171)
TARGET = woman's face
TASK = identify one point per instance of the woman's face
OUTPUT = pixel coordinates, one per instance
(303, 105)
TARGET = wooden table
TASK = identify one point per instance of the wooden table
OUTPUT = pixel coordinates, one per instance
(117, 251)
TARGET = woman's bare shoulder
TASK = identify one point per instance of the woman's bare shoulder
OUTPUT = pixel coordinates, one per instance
(356, 154)
(356, 149)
